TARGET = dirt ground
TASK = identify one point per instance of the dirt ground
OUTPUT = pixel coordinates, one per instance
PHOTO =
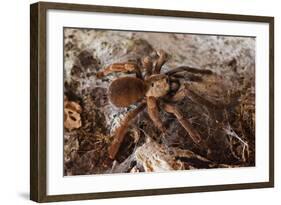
(228, 131)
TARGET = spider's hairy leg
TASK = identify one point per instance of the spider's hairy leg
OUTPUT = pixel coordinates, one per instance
(153, 112)
(162, 58)
(195, 136)
(190, 70)
(147, 64)
(122, 129)
(118, 67)
(174, 84)
(186, 92)
(189, 77)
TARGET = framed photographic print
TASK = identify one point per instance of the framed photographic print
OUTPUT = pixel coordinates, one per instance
(133, 102)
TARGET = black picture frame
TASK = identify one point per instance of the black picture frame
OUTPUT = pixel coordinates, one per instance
(38, 102)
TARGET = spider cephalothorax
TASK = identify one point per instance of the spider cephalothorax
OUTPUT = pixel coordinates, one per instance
(147, 90)
(157, 85)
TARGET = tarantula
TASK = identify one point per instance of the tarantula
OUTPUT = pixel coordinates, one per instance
(149, 90)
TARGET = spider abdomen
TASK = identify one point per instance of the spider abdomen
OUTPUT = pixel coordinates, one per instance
(125, 91)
